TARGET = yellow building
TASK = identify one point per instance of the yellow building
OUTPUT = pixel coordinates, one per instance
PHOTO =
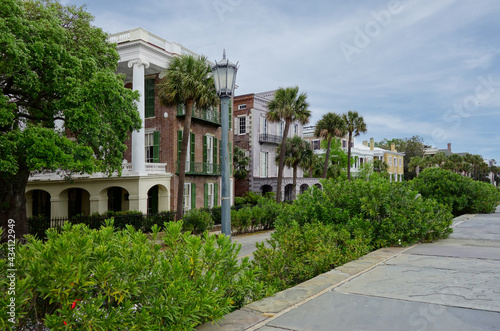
(395, 161)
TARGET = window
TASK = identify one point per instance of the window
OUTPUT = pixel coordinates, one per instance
(152, 144)
(280, 129)
(211, 191)
(209, 153)
(295, 129)
(400, 162)
(316, 145)
(189, 196)
(390, 160)
(264, 163)
(149, 98)
(243, 106)
(263, 125)
(243, 124)
(190, 150)
(344, 143)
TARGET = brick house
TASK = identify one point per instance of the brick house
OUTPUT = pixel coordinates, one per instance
(149, 179)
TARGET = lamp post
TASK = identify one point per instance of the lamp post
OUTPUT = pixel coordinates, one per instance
(224, 73)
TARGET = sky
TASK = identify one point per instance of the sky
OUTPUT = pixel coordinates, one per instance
(409, 67)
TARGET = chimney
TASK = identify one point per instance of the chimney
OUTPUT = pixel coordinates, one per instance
(393, 147)
(372, 144)
(449, 147)
(365, 143)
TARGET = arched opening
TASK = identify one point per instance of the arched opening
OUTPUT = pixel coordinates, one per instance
(153, 200)
(303, 188)
(117, 199)
(289, 192)
(40, 203)
(78, 202)
(266, 189)
(318, 186)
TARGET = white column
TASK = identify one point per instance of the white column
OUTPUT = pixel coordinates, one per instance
(138, 139)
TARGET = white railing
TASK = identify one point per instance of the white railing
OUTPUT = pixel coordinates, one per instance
(141, 34)
(151, 169)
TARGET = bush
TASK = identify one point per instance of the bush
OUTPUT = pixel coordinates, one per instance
(463, 194)
(297, 253)
(104, 279)
(388, 213)
(197, 221)
(259, 217)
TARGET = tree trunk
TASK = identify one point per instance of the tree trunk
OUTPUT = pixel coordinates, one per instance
(294, 183)
(13, 204)
(349, 156)
(281, 164)
(327, 156)
(182, 160)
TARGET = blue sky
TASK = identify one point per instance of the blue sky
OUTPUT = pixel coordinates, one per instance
(409, 67)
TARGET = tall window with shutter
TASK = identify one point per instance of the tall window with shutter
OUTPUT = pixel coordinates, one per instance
(152, 142)
(149, 97)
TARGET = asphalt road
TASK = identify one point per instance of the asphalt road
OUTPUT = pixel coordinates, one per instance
(248, 242)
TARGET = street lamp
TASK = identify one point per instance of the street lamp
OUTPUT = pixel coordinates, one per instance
(224, 73)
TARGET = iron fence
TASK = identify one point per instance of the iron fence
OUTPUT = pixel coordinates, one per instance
(38, 225)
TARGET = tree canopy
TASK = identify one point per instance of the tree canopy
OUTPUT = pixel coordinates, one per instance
(62, 104)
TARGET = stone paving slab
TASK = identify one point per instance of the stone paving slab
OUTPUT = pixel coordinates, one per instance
(460, 250)
(453, 283)
(338, 311)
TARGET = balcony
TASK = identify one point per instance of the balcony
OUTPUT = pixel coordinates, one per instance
(201, 168)
(206, 115)
(270, 139)
(151, 169)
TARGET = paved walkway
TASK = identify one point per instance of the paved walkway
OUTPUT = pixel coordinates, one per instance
(452, 284)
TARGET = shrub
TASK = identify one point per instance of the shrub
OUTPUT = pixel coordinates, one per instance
(297, 253)
(259, 217)
(197, 221)
(388, 213)
(104, 279)
(463, 194)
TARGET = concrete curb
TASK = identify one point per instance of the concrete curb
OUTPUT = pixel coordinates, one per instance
(259, 313)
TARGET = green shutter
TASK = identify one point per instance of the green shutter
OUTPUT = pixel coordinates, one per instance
(216, 194)
(230, 115)
(156, 147)
(205, 154)
(149, 98)
(180, 109)
(193, 146)
(179, 145)
(206, 195)
(193, 196)
(215, 151)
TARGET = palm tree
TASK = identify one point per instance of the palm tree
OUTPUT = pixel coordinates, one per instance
(240, 163)
(331, 125)
(415, 163)
(439, 158)
(188, 82)
(289, 106)
(355, 125)
(298, 152)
